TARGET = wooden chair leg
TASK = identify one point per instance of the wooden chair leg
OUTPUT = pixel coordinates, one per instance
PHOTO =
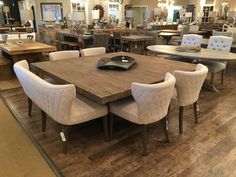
(165, 126)
(111, 119)
(44, 120)
(222, 76)
(144, 130)
(181, 111)
(212, 78)
(195, 112)
(29, 106)
(105, 127)
(65, 138)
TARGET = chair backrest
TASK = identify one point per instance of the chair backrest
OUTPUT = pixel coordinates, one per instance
(65, 54)
(55, 100)
(221, 43)
(184, 30)
(153, 99)
(220, 33)
(93, 51)
(192, 39)
(193, 28)
(189, 84)
(101, 40)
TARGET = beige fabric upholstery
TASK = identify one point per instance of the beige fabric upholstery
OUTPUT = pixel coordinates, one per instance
(221, 43)
(151, 102)
(66, 54)
(191, 39)
(220, 33)
(193, 28)
(57, 101)
(93, 51)
(189, 84)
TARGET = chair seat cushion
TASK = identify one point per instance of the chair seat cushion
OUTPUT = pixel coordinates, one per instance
(214, 66)
(125, 108)
(84, 110)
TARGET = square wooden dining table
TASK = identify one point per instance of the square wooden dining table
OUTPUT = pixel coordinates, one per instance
(107, 85)
(28, 49)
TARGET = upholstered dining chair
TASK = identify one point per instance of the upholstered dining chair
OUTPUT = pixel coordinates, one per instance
(220, 43)
(93, 51)
(191, 39)
(59, 102)
(150, 104)
(188, 40)
(65, 54)
(188, 87)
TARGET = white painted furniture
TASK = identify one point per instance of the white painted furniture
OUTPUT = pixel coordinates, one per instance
(207, 54)
(188, 87)
(65, 54)
(150, 105)
(191, 39)
(222, 44)
(93, 51)
(59, 102)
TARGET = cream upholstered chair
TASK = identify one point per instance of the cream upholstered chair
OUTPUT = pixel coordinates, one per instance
(150, 105)
(220, 43)
(221, 33)
(194, 28)
(93, 51)
(65, 54)
(191, 39)
(58, 101)
(188, 87)
(188, 40)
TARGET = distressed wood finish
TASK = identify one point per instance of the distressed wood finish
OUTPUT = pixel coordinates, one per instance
(204, 149)
(27, 47)
(136, 38)
(105, 86)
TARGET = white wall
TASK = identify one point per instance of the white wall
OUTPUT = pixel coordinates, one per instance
(67, 6)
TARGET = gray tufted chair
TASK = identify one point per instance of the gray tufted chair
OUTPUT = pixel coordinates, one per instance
(191, 39)
(220, 43)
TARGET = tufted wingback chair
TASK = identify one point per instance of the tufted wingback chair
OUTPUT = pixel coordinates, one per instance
(65, 54)
(188, 87)
(220, 43)
(57, 101)
(150, 105)
(93, 51)
(191, 39)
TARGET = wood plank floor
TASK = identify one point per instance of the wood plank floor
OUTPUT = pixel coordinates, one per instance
(206, 149)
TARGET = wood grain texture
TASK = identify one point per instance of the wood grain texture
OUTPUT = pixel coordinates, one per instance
(27, 47)
(136, 38)
(204, 149)
(105, 86)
